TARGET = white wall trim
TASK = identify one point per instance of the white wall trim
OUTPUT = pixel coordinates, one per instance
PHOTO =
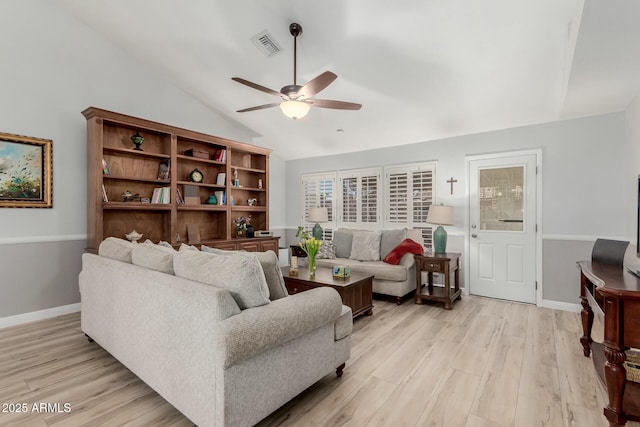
(41, 239)
(19, 319)
(560, 305)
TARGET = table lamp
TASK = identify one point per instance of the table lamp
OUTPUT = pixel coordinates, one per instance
(318, 215)
(440, 215)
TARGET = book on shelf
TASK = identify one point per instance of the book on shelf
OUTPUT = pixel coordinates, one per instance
(191, 194)
(220, 155)
(105, 168)
(161, 195)
(164, 169)
(104, 194)
(179, 198)
(221, 178)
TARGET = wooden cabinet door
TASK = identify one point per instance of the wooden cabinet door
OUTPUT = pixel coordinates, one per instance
(227, 246)
(249, 246)
(269, 245)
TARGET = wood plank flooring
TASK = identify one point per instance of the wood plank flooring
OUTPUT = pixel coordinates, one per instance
(486, 363)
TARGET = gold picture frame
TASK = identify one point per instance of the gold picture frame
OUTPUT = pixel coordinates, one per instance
(25, 172)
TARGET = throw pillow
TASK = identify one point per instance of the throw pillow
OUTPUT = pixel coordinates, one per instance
(390, 239)
(153, 257)
(270, 267)
(118, 249)
(327, 250)
(343, 239)
(365, 246)
(241, 275)
(185, 247)
(407, 246)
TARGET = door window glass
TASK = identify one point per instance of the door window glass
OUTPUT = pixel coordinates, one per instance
(502, 199)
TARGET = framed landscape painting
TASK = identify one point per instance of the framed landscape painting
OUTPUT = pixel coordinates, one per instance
(25, 172)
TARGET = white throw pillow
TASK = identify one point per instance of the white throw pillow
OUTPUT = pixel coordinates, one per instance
(154, 257)
(365, 246)
(241, 275)
(118, 249)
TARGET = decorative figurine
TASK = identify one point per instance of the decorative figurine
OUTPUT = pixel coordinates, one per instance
(127, 196)
(260, 183)
(137, 141)
(134, 236)
(236, 181)
(252, 202)
(212, 200)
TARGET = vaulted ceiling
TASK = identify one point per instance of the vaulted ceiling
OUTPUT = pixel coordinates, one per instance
(422, 69)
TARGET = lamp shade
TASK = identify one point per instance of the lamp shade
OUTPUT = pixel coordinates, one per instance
(318, 215)
(441, 215)
(294, 109)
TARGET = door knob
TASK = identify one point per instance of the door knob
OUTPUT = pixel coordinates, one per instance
(473, 226)
(474, 235)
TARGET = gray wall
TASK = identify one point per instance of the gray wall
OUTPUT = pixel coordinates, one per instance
(54, 67)
(584, 192)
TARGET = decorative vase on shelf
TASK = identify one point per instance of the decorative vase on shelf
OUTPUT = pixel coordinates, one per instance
(137, 141)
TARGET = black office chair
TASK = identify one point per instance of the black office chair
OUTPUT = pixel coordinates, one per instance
(610, 252)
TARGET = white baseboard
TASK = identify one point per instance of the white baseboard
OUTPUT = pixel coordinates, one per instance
(559, 305)
(19, 319)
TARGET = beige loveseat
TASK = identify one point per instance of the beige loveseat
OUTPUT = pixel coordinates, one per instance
(207, 332)
(365, 255)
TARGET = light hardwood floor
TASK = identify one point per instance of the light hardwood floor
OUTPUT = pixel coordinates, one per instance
(486, 363)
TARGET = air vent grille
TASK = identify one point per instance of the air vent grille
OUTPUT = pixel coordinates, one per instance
(266, 43)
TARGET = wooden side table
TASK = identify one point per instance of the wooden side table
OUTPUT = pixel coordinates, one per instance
(438, 263)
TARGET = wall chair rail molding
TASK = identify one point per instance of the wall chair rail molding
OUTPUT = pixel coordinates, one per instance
(41, 239)
(25, 172)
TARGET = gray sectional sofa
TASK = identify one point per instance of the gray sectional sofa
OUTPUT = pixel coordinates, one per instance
(216, 335)
(366, 255)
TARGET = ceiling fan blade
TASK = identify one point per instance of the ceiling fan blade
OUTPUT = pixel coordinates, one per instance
(258, 107)
(317, 84)
(338, 105)
(256, 86)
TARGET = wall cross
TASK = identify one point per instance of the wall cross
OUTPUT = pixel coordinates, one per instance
(451, 181)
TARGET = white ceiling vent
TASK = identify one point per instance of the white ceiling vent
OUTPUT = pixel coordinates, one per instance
(266, 43)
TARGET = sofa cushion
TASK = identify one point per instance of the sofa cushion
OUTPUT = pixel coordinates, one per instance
(254, 331)
(270, 267)
(381, 270)
(327, 250)
(153, 257)
(365, 246)
(390, 239)
(241, 275)
(407, 246)
(118, 249)
(343, 238)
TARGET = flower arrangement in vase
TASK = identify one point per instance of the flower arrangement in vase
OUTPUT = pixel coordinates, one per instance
(241, 225)
(310, 245)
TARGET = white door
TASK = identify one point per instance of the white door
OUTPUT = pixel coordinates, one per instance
(502, 219)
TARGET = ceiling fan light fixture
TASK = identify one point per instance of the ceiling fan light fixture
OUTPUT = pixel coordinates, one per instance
(294, 109)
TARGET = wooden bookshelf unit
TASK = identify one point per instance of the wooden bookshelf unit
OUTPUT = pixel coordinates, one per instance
(109, 143)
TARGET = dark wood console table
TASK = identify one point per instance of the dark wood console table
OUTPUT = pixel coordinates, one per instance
(614, 293)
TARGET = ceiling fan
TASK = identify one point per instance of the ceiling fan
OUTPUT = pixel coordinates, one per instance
(297, 100)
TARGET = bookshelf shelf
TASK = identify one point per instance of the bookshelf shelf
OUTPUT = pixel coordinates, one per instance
(137, 172)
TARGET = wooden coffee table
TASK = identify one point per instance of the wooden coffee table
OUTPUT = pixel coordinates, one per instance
(355, 291)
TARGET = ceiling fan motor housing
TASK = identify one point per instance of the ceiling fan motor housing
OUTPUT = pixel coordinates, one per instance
(291, 91)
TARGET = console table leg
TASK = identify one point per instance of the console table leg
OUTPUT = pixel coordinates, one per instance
(587, 325)
(339, 370)
(615, 375)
